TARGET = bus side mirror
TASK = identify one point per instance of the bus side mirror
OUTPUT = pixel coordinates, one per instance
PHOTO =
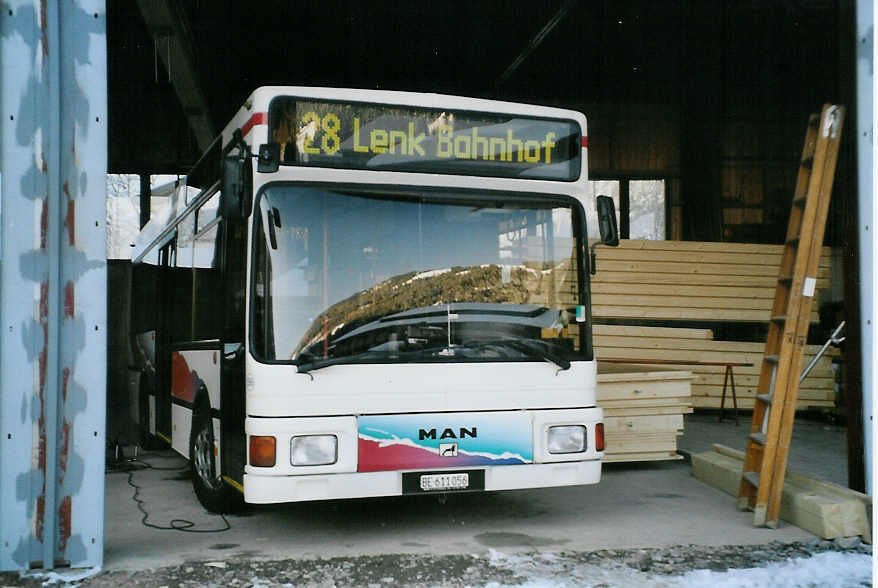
(607, 221)
(269, 158)
(607, 226)
(235, 201)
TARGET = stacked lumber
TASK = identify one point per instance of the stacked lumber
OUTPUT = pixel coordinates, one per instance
(823, 508)
(686, 345)
(690, 280)
(643, 411)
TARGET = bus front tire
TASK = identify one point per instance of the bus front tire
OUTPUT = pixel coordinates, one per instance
(212, 492)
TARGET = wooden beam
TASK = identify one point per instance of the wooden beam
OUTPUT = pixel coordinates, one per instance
(172, 43)
(825, 509)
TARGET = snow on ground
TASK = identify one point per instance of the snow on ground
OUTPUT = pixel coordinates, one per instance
(845, 563)
(836, 569)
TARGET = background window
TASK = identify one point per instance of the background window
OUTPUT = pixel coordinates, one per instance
(599, 188)
(646, 209)
(640, 207)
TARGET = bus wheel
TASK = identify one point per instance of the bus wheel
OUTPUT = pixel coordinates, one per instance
(213, 493)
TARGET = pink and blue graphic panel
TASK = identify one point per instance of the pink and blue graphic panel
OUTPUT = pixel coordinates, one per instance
(444, 440)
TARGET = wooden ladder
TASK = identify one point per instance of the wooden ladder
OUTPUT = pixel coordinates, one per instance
(775, 407)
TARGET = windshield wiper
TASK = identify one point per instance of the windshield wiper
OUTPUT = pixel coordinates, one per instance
(527, 347)
(309, 364)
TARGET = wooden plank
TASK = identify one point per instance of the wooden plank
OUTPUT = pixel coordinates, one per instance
(641, 443)
(642, 288)
(647, 313)
(809, 483)
(745, 253)
(647, 410)
(643, 424)
(808, 503)
(691, 269)
(701, 257)
(682, 300)
(637, 390)
(643, 410)
(609, 339)
(642, 456)
(824, 365)
(644, 402)
(820, 377)
(708, 246)
(747, 403)
(728, 257)
(622, 372)
(751, 381)
(688, 355)
(751, 391)
(690, 314)
(681, 281)
(714, 273)
(811, 382)
(606, 275)
(658, 332)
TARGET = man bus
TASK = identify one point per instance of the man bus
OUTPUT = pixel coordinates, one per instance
(367, 293)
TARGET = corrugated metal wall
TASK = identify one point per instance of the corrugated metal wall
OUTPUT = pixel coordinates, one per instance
(53, 160)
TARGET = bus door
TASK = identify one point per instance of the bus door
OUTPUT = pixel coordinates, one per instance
(233, 409)
(165, 317)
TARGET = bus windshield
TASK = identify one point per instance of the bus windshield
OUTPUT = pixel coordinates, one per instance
(364, 276)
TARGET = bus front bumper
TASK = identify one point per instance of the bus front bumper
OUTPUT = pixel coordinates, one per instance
(298, 488)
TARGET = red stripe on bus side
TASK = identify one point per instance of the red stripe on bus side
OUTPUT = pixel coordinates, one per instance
(258, 118)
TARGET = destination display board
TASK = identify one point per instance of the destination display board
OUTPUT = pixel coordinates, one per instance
(380, 137)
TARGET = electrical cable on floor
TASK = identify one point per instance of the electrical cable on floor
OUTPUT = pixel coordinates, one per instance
(136, 464)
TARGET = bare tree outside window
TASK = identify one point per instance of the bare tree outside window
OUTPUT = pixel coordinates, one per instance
(646, 206)
(123, 210)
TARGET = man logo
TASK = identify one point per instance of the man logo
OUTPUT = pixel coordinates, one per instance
(448, 433)
(448, 450)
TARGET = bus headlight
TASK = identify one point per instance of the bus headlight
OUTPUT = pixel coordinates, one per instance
(566, 439)
(313, 450)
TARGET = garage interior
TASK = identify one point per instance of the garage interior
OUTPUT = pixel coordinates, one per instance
(696, 115)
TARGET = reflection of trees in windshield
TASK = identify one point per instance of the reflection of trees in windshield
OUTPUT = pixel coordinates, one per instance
(457, 331)
(489, 284)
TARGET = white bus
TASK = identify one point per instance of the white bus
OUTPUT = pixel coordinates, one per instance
(367, 293)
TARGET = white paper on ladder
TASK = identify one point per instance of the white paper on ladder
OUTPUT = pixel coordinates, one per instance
(809, 287)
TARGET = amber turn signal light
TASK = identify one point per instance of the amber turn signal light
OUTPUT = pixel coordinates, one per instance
(599, 437)
(262, 451)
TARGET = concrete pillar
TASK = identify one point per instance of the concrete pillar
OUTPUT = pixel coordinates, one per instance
(53, 161)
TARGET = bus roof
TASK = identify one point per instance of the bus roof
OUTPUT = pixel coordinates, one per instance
(254, 112)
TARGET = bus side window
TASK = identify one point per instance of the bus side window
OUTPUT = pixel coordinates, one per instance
(206, 283)
(208, 212)
(185, 242)
(263, 342)
(179, 276)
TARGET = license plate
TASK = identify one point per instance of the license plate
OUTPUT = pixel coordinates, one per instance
(431, 482)
(459, 481)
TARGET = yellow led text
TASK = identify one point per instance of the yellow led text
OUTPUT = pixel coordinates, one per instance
(448, 144)
(473, 146)
(382, 141)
